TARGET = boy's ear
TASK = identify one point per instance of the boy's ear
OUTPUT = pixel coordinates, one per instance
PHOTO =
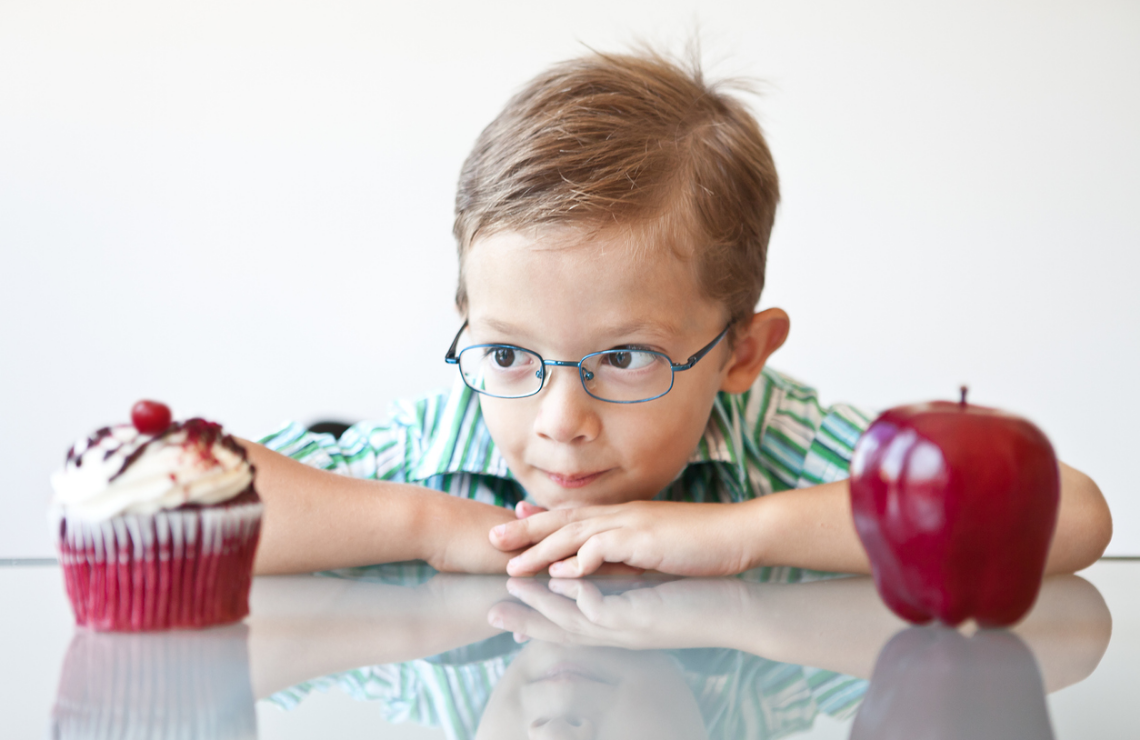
(762, 336)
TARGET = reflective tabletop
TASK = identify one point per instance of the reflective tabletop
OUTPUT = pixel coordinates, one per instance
(400, 651)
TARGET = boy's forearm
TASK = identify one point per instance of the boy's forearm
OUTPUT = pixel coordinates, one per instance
(807, 528)
(316, 520)
(813, 528)
(1084, 524)
(302, 627)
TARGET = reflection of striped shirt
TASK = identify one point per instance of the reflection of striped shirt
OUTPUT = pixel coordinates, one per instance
(774, 437)
(740, 695)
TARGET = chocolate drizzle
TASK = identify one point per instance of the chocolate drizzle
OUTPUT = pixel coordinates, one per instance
(99, 435)
(199, 433)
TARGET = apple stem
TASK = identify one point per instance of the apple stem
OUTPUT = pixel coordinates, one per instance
(963, 401)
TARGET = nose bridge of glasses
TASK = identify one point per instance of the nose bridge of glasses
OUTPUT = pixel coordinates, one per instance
(586, 374)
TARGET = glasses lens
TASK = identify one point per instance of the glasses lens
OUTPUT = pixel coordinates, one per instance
(500, 370)
(627, 375)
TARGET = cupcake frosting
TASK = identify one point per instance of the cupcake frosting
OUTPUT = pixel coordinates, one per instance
(118, 470)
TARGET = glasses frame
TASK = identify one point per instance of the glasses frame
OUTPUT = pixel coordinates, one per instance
(451, 358)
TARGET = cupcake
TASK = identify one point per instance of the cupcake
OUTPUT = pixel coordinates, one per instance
(157, 524)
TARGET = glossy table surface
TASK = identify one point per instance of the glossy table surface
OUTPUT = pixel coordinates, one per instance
(401, 652)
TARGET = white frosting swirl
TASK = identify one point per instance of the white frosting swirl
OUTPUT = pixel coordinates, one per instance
(170, 472)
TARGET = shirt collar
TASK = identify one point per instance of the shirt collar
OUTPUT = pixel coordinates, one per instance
(723, 439)
(459, 441)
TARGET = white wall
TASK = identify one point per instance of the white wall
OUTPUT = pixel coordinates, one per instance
(244, 208)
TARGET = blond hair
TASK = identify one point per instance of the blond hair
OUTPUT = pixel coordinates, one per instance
(635, 140)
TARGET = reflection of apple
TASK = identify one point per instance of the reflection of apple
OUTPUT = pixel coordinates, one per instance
(956, 506)
(932, 682)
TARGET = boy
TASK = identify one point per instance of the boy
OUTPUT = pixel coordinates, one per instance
(618, 211)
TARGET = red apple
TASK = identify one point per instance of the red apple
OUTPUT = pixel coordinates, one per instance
(956, 506)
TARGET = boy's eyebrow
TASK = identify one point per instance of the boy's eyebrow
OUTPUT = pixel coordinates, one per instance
(657, 328)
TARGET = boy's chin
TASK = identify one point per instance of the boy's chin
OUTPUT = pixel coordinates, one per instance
(556, 500)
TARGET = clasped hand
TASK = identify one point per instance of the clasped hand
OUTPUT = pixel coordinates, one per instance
(581, 612)
(684, 539)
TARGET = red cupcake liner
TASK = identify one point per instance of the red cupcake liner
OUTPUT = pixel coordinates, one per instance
(155, 686)
(183, 568)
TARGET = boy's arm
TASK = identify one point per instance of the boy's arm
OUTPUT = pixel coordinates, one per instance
(317, 520)
(303, 627)
(807, 528)
(839, 625)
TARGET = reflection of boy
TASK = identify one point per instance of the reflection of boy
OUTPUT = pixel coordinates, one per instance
(497, 689)
(618, 210)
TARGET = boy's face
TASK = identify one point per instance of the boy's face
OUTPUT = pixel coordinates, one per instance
(564, 295)
(557, 692)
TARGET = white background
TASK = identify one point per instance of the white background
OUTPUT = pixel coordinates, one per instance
(244, 208)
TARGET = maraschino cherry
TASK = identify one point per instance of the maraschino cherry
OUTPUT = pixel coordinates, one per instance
(150, 417)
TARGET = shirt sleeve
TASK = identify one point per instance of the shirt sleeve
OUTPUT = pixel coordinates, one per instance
(828, 456)
(744, 695)
(802, 443)
(423, 692)
(370, 449)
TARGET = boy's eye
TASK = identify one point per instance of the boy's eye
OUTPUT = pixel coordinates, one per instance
(629, 359)
(504, 357)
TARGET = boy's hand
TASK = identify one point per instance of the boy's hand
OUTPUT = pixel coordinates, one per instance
(523, 510)
(678, 538)
(579, 612)
(457, 540)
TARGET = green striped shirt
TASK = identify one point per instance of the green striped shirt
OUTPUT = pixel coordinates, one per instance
(774, 437)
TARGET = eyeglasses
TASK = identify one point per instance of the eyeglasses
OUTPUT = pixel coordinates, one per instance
(613, 375)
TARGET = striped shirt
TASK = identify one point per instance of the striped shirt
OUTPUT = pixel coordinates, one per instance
(773, 437)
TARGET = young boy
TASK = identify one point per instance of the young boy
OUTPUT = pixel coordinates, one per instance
(612, 224)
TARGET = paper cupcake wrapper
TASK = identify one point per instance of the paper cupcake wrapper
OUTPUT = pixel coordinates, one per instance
(180, 568)
(156, 686)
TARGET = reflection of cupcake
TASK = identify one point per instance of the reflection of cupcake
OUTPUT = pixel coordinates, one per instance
(155, 686)
(157, 524)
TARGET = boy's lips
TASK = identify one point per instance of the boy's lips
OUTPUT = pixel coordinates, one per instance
(574, 480)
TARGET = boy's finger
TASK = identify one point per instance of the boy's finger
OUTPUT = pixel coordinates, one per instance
(561, 611)
(524, 510)
(572, 568)
(558, 545)
(604, 547)
(618, 569)
(534, 528)
(586, 595)
(517, 618)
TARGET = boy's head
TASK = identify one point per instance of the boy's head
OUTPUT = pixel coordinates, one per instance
(634, 142)
(618, 202)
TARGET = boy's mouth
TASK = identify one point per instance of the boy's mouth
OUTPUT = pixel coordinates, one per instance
(574, 480)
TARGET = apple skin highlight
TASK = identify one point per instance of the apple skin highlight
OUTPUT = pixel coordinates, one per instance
(956, 507)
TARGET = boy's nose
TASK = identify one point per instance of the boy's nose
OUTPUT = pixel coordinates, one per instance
(566, 412)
